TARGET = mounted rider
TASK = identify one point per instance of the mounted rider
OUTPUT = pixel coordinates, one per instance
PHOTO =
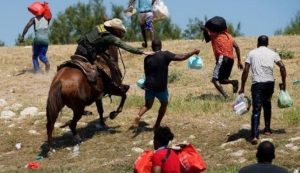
(102, 43)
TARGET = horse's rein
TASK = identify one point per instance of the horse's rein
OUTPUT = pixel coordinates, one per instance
(123, 64)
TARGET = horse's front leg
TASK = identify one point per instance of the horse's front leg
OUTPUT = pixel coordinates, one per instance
(114, 114)
(100, 110)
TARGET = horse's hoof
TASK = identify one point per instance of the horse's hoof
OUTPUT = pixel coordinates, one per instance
(113, 115)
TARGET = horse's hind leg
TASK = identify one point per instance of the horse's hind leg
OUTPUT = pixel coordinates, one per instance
(51, 119)
(77, 114)
(54, 106)
(50, 126)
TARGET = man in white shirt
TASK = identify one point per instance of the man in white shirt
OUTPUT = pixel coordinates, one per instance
(261, 61)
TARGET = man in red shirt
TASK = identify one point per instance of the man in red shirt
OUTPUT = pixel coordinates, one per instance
(223, 44)
(164, 159)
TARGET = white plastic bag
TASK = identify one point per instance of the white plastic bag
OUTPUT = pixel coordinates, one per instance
(241, 104)
(160, 10)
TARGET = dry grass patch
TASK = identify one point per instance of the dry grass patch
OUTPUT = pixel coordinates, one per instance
(196, 114)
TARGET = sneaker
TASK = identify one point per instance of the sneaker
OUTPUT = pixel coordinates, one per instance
(235, 86)
(254, 141)
(47, 68)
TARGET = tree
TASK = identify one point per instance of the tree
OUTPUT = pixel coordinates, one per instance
(293, 28)
(235, 32)
(79, 19)
(165, 29)
(193, 30)
(75, 21)
(133, 27)
(2, 43)
(117, 11)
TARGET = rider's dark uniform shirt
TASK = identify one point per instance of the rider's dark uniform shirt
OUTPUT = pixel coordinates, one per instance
(98, 41)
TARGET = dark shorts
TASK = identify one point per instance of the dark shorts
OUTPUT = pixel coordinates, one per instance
(223, 68)
(162, 96)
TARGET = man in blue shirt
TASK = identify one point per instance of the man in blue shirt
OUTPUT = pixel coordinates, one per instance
(145, 18)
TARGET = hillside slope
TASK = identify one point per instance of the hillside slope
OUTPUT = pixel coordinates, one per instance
(196, 114)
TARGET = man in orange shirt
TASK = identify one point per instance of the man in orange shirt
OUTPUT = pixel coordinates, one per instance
(223, 44)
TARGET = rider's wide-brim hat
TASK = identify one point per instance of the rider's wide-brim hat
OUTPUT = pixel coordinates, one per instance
(115, 23)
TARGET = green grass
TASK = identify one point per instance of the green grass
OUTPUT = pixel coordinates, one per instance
(286, 54)
(293, 116)
(224, 169)
(174, 76)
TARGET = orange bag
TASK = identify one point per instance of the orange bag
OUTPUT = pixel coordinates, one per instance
(190, 160)
(36, 8)
(144, 164)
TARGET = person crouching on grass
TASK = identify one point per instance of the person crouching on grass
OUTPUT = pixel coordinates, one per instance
(164, 159)
(156, 83)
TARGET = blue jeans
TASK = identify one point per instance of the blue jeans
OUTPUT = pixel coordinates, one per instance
(39, 51)
(261, 96)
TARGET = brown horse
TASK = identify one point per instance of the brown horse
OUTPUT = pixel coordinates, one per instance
(71, 88)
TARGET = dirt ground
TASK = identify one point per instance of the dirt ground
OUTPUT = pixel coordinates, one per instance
(196, 114)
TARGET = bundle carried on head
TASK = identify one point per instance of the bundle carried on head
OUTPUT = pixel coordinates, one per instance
(40, 9)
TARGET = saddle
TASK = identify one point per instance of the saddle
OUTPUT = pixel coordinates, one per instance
(81, 63)
(109, 67)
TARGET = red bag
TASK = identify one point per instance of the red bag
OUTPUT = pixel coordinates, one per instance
(47, 11)
(190, 160)
(144, 164)
(36, 8)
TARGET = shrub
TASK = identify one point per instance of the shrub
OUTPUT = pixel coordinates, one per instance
(285, 54)
(293, 116)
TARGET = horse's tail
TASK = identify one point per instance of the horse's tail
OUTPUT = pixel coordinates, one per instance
(54, 102)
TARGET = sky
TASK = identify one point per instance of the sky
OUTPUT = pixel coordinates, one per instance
(256, 16)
